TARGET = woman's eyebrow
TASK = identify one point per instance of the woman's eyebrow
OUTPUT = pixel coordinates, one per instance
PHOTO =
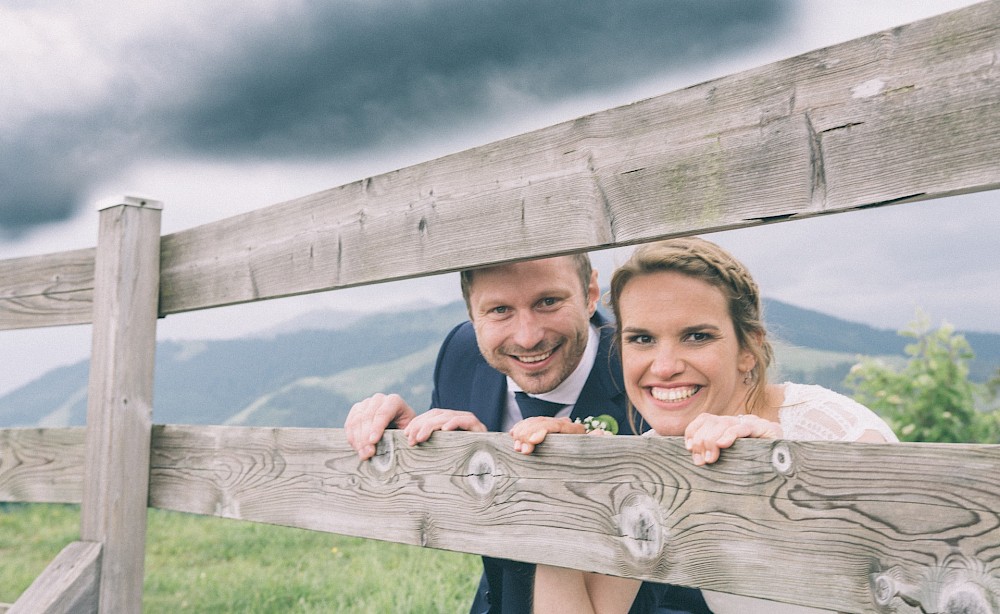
(701, 327)
(634, 329)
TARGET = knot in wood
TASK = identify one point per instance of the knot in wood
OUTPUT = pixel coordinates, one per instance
(640, 527)
(481, 473)
(884, 589)
(781, 458)
(385, 454)
(966, 598)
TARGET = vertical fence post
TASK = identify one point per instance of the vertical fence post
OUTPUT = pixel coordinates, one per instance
(120, 398)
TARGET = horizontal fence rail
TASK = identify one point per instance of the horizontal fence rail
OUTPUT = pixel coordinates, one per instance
(904, 115)
(888, 528)
(47, 290)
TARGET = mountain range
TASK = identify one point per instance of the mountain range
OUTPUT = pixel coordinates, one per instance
(309, 371)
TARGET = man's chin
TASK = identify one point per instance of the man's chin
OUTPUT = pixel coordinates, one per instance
(534, 383)
(531, 380)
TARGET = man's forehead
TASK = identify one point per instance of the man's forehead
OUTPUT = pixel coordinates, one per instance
(554, 264)
(557, 270)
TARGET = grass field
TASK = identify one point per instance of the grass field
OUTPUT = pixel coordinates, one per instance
(204, 564)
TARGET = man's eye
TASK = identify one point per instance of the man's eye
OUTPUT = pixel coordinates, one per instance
(548, 301)
(500, 310)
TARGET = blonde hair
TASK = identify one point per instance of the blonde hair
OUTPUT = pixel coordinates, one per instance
(704, 260)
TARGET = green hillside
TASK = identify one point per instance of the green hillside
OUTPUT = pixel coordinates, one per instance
(310, 377)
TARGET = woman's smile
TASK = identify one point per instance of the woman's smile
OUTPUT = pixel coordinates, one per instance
(673, 394)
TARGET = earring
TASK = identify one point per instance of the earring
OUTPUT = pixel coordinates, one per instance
(748, 377)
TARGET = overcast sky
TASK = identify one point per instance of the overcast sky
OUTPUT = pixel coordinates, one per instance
(216, 112)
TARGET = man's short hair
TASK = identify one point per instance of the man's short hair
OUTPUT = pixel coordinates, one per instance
(583, 269)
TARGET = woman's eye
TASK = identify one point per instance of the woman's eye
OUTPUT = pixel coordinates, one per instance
(640, 339)
(699, 337)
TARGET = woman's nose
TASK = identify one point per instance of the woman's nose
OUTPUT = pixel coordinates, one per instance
(667, 362)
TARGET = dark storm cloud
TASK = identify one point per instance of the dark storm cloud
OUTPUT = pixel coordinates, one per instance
(336, 78)
(352, 75)
(50, 162)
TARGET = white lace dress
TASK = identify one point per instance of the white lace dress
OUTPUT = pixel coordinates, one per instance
(808, 413)
(815, 413)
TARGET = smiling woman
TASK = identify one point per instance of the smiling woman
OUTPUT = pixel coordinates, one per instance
(695, 356)
(681, 353)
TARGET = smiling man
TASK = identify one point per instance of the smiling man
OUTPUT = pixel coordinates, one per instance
(534, 345)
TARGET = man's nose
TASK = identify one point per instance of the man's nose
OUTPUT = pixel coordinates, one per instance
(529, 331)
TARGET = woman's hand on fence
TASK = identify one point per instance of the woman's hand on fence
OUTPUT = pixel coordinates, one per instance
(530, 432)
(368, 419)
(421, 427)
(708, 434)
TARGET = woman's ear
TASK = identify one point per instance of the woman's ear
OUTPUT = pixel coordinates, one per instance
(748, 355)
(747, 361)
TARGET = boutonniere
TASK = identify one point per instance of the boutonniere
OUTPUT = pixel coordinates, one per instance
(604, 422)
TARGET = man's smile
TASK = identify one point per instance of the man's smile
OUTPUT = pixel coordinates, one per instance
(535, 358)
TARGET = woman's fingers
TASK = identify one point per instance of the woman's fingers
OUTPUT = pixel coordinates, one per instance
(708, 434)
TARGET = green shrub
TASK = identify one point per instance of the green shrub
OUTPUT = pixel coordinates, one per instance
(931, 398)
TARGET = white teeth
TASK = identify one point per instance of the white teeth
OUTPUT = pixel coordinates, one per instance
(530, 359)
(673, 395)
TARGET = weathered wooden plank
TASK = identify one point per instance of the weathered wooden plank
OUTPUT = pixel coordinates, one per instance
(864, 527)
(917, 520)
(120, 398)
(67, 586)
(49, 290)
(904, 115)
(41, 465)
(907, 114)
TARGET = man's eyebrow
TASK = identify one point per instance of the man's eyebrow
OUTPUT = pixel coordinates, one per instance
(487, 306)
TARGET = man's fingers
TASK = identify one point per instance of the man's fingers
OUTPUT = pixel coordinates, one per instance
(368, 420)
(386, 410)
(421, 427)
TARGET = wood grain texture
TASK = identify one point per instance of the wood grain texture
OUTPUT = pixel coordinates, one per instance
(67, 586)
(41, 465)
(49, 290)
(857, 524)
(904, 115)
(864, 527)
(120, 400)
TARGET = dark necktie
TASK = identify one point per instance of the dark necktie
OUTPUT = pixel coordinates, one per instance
(530, 406)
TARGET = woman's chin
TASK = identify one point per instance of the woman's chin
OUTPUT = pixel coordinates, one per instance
(671, 429)
(667, 423)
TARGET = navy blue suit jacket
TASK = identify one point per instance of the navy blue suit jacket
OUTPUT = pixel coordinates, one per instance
(463, 380)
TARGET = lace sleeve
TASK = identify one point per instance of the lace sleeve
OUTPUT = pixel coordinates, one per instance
(814, 413)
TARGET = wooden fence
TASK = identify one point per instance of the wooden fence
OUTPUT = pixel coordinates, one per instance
(895, 117)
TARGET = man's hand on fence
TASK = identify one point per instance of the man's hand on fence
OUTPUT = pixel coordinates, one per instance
(421, 427)
(368, 419)
(530, 432)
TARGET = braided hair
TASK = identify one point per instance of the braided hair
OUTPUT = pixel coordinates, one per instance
(704, 260)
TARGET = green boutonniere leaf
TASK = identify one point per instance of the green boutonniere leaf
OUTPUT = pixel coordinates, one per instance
(610, 424)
